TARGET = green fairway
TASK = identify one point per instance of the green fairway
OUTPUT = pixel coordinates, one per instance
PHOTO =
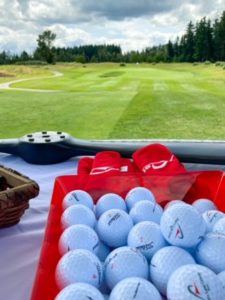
(100, 101)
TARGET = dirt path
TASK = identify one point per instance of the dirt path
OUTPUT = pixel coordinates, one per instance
(7, 85)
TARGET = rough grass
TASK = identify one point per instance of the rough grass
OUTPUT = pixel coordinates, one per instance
(103, 101)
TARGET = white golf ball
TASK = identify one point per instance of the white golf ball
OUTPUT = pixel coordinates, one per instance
(219, 226)
(164, 262)
(146, 211)
(146, 237)
(182, 225)
(221, 277)
(79, 266)
(124, 262)
(192, 282)
(210, 252)
(211, 217)
(138, 194)
(134, 288)
(113, 227)
(109, 201)
(81, 291)
(78, 197)
(203, 205)
(173, 202)
(79, 237)
(78, 214)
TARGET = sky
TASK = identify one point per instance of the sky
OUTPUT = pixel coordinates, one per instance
(132, 24)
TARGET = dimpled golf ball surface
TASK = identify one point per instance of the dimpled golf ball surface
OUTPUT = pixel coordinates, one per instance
(173, 202)
(113, 227)
(134, 288)
(81, 291)
(146, 237)
(221, 277)
(203, 205)
(78, 237)
(109, 201)
(164, 262)
(79, 266)
(219, 226)
(146, 211)
(78, 197)
(124, 262)
(211, 217)
(138, 194)
(211, 252)
(78, 214)
(194, 282)
(182, 225)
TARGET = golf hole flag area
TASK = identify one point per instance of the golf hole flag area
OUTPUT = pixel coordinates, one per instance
(114, 265)
(107, 101)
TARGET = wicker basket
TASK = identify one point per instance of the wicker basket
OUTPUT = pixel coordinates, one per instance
(15, 192)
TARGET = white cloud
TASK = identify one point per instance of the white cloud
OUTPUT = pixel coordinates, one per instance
(132, 24)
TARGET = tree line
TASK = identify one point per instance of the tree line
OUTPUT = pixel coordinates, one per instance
(203, 41)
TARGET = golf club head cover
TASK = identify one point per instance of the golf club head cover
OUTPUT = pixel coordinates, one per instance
(155, 159)
(107, 169)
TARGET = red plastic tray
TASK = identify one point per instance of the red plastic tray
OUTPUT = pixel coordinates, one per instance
(189, 187)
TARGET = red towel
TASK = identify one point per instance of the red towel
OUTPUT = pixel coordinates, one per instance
(156, 159)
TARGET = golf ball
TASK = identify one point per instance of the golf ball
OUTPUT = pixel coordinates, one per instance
(173, 202)
(81, 291)
(113, 227)
(182, 225)
(124, 262)
(138, 194)
(79, 266)
(203, 205)
(146, 237)
(109, 201)
(78, 197)
(221, 277)
(219, 226)
(210, 252)
(134, 288)
(78, 214)
(211, 217)
(146, 211)
(164, 262)
(194, 282)
(79, 237)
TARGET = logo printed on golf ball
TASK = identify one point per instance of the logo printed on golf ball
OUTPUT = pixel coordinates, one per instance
(114, 218)
(175, 229)
(78, 197)
(199, 288)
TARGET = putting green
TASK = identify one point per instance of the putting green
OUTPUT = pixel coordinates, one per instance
(108, 101)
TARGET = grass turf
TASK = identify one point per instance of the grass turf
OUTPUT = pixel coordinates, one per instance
(108, 101)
